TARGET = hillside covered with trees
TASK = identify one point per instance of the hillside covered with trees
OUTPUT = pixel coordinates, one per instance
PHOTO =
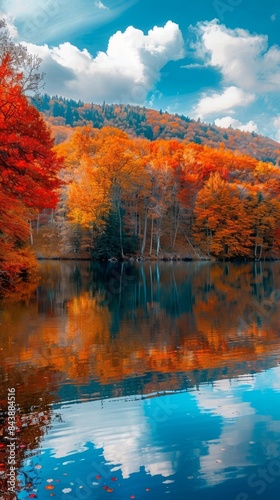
(126, 196)
(138, 121)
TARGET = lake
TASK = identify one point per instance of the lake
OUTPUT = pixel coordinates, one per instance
(145, 380)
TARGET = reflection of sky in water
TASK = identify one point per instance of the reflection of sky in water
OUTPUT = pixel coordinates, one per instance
(200, 444)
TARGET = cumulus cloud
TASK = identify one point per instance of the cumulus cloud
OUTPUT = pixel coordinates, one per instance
(229, 99)
(126, 72)
(228, 121)
(243, 59)
(249, 68)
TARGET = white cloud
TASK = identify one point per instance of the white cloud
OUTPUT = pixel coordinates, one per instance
(10, 24)
(276, 123)
(243, 59)
(230, 98)
(249, 67)
(228, 121)
(126, 72)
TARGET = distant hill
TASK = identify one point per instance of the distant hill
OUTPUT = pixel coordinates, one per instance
(64, 114)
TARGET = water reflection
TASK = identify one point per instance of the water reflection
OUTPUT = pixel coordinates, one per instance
(163, 378)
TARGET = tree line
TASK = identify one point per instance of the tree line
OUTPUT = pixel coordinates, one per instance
(63, 114)
(130, 196)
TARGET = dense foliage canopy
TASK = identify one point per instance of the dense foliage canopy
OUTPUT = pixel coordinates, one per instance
(132, 196)
(138, 121)
(28, 163)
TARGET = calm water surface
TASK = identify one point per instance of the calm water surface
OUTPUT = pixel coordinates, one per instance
(146, 381)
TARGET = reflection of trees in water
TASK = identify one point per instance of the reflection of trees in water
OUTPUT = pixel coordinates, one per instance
(34, 393)
(18, 289)
(112, 321)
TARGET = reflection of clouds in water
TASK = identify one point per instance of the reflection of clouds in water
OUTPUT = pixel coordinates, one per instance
(235, 448)
(221, 399)
(121, 429)
(270, 378)
(224, 400)
(129, 440)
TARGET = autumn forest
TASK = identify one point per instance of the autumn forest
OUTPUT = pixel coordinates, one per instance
(90, 190)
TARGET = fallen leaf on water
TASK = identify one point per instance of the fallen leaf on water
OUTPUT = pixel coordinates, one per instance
(32, 495)
(66, 490)
(105, 487)
(98, 477)
(132, 496)
(148, 489)
(49, 480)
(49, 487)
(37, 466)
(113, 478)
(109, 490)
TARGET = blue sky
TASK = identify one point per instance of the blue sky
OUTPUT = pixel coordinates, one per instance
(214, 59)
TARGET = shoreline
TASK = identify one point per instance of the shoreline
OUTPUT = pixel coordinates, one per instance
(158, 259)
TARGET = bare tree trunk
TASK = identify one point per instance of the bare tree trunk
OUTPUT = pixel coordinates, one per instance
(151, 283)
(192, 246)
(145, 232)
(31, 233)
(158, 244)
(176, 230)
(120, 229)
(139, 224)
(136, 219)
(151, 243)
(38, 222)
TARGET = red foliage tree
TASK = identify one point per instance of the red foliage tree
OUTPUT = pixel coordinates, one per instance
(28, 163)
